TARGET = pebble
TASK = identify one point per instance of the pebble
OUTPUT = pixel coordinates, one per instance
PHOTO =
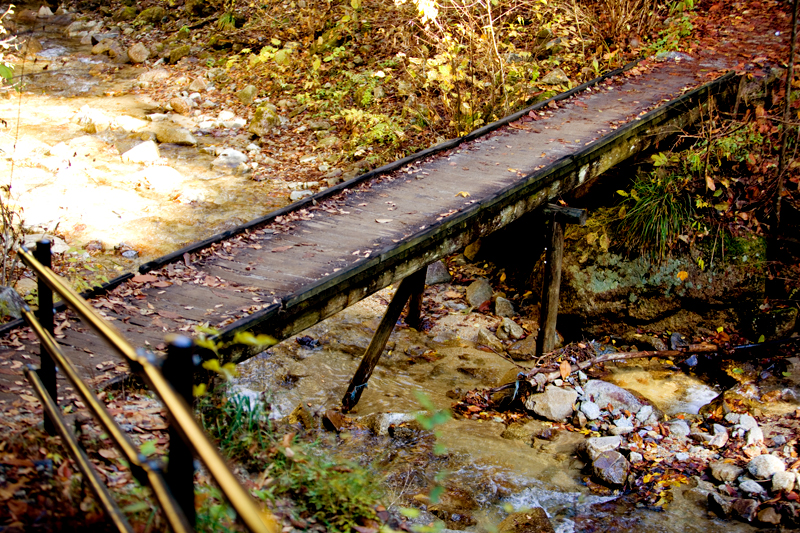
(747, 422)
(754, 436)
(591, 410)
(778, 440)
(635, 457)
(594, 446)
(679, 428)
(682, 457)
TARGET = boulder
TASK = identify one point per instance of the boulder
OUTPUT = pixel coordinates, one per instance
(611, 468)
(555, 77)
(504, 307)
(11, 303)
(179, 52)
(152, 15)
(524, 350)
(555, 403)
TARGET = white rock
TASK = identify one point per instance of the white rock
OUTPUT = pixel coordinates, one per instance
(594, 446)
(747, 422)
(591, 410)
(765, 466)
(225, 115)
(297, 195)
(754, 436)
(783, 481)
(128, 123)
(635, 457)
(229, 159)
(679, 428)
(57, 245)
(142, 152)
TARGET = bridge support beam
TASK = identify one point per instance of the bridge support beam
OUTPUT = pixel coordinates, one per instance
(551, 280)
(409, 288)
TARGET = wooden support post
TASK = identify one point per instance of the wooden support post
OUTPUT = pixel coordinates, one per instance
(46, 317)
(179, 370)
(551, 282)
(378, 342)
(414, 315)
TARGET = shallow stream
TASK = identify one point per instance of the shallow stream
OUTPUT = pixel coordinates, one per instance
(486, 474)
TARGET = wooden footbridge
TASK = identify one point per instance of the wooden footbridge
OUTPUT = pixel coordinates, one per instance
(293, 268)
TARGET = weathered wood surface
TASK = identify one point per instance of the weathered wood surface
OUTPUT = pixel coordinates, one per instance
(282, 276)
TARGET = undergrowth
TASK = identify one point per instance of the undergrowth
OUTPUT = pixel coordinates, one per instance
(334, 493)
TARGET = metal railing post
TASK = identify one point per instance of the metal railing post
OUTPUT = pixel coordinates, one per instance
(178, 369)
(47, 367)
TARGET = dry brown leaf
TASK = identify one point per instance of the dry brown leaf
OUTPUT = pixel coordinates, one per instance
(144, 278)
(282, 248)
(565, 369)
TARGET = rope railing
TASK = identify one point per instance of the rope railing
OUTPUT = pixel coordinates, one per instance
(174, 489)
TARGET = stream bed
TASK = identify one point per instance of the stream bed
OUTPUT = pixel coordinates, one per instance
(490, 467)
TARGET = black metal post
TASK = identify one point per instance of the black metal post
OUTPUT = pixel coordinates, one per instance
(178, 369)
(45, 315)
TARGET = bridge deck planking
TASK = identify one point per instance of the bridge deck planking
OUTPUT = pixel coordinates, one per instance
(502, 174)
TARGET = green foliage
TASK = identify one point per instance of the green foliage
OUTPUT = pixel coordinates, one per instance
(338, 494)
(654, 213)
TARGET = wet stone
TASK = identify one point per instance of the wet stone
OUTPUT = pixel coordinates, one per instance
(769, 516)
(479, 292)
(524, 350)
(487, 338)
(611, 468)
(720, 505)
(604, 393)
(531, 521)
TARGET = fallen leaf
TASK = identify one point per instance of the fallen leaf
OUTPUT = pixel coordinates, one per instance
(682, 275)
(144, 278)
(282, 248)
(465, 194)
(565, 369)
(383, 220)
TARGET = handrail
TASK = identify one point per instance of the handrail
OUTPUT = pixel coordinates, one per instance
(145, 364)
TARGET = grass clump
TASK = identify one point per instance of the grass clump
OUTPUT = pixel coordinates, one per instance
(654, 213)
(291, 472)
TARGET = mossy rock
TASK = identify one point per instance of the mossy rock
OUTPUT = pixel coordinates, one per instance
(125, 14)
(531, 521)
(152, 15)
